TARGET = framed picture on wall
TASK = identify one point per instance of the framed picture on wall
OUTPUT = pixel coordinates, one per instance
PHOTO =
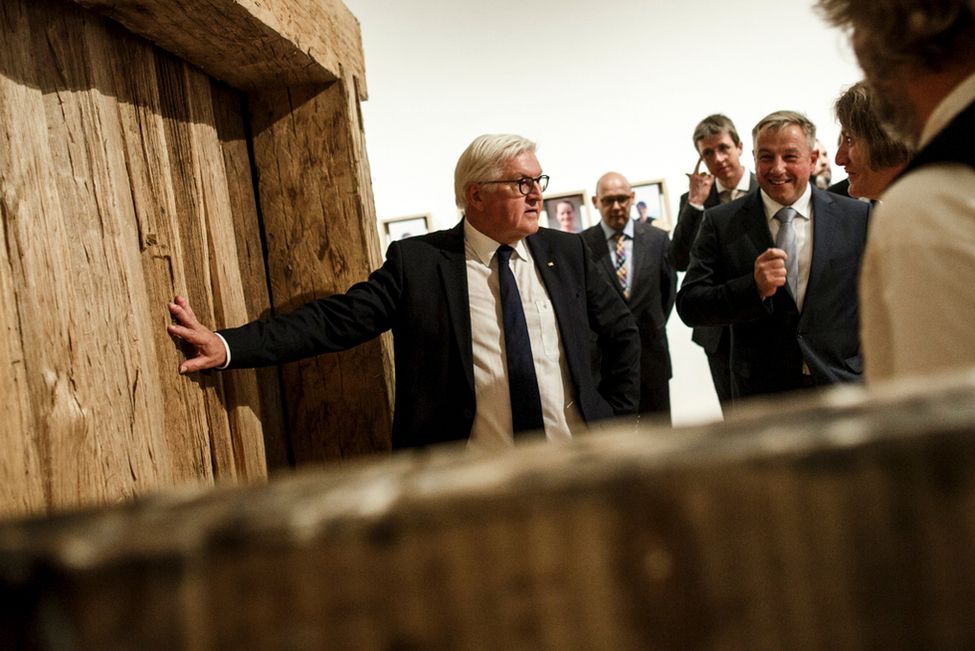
(652, 203)
(568, 211)
(399, 228)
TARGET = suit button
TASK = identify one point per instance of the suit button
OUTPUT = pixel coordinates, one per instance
(468, 414)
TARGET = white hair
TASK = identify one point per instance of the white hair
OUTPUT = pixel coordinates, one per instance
(484, 159)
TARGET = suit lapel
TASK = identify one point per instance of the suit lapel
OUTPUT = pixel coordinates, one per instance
(453, 280)
(822, 233)
(757, 223)
(602, 257)
(547, 264)
(639, 266)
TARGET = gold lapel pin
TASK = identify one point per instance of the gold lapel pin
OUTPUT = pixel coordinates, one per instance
(551, 264)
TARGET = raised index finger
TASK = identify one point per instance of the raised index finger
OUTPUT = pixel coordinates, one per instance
(697, 168)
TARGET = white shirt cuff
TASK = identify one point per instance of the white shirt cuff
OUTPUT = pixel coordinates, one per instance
(225, 347)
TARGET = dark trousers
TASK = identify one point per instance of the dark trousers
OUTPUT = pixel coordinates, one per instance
(655, 400)
(721, 375)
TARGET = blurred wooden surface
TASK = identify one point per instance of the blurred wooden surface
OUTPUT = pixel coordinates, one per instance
(840, 522)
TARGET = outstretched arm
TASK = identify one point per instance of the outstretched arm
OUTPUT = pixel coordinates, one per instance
(210, 350)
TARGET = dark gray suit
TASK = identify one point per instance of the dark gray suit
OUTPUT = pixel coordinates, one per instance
(716, 340)
(654, 289)
(421, 294)
(770, 339)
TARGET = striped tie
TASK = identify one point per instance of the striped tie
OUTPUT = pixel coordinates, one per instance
(621, 263)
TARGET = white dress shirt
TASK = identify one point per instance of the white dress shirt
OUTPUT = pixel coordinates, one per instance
(738, 191)
(492, 422)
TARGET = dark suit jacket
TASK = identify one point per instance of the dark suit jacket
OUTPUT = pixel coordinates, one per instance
(713, 340)
(841, 188)
(421, 294)
(654, 289)
(770, 339)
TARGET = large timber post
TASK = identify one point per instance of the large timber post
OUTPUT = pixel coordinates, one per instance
(127, 166)
(321, 231)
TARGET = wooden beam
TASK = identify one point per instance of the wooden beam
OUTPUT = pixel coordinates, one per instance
(119, 190)
(844, 521)
(319, 220)
(250, 44)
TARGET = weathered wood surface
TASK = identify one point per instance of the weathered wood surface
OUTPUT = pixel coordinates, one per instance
(250, 44)
(229, 110)
(841, 522)
(320, 226)
(114, 197)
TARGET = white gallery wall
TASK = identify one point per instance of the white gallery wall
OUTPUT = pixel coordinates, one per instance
(613, 85)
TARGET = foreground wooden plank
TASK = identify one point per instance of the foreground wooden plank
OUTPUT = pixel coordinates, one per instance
(840, 523)
(250, 44)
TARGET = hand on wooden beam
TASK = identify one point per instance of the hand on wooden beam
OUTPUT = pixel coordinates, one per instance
(209, 348)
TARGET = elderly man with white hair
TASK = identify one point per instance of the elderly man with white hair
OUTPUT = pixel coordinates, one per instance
(491, 319)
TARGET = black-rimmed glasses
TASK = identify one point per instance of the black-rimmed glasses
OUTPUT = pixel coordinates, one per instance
(525, 184)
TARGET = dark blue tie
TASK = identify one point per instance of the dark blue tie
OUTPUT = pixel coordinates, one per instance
(526, 405)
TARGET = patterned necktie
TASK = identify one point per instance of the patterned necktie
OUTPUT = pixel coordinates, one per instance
(621, 262)
(786, 240)
(526, 403)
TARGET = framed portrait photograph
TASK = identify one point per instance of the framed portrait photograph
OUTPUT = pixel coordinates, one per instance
(568, 211)
(652, 204)
(399, 228)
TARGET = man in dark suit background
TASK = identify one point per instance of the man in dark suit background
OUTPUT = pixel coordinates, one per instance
(716, 141)
(442, 294)
(635, 258)
(793, 316)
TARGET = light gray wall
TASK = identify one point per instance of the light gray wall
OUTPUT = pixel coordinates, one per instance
(613, 85)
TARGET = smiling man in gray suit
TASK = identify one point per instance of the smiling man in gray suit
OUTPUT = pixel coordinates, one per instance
(635, 258)
(780, 266)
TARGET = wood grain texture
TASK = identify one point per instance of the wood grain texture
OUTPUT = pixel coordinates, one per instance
(321, 234)
(229, 114)
(841, 521)
(250, 44)
(115, 196)
(22, 198)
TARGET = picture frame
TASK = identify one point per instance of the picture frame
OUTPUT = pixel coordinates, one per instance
(579, 200)
(398, 228)
(653, 194)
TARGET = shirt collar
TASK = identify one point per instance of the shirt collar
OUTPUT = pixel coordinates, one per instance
(483, 247)
(608, 231)
(743, 183)
(802, 205)
(949, 108)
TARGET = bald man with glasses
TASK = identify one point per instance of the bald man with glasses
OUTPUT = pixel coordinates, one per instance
(635, 258)
(491, 319)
